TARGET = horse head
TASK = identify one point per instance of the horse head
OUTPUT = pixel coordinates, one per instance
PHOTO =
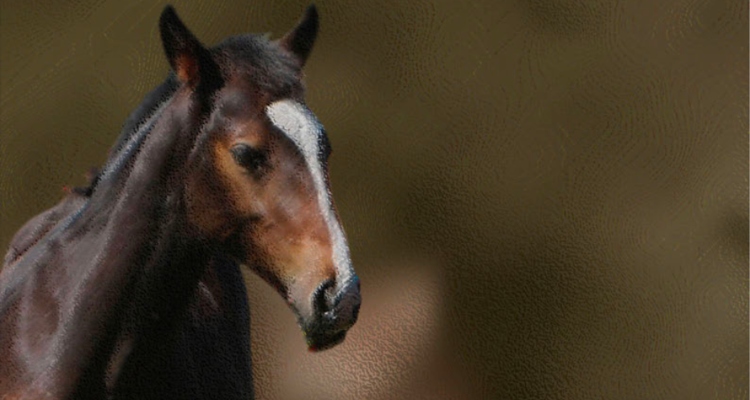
(257, 175)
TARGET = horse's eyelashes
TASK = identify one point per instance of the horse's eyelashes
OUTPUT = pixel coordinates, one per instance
(248, 157)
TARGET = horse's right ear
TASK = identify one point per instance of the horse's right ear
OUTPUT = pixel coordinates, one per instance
(299, 41)
(184, 52)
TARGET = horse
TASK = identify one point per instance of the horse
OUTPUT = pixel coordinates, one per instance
(130, 287)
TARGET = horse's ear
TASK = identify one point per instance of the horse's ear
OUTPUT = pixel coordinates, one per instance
(299, 41)
(184, 52)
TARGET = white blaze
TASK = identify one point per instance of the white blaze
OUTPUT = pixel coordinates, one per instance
(301, 126)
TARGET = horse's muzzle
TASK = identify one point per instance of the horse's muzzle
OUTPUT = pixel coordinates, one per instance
(334, 312)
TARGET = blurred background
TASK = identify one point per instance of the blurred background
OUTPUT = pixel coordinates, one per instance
(544, 199)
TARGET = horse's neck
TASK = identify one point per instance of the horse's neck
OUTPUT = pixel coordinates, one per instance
(161, 263)
(126, 257)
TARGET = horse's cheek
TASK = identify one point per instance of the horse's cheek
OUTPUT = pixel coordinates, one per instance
(204, 208)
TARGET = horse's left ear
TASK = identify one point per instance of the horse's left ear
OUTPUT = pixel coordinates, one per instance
(299, 41)
(184, 52)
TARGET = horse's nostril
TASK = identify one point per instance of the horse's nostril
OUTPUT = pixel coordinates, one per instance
(323, 297)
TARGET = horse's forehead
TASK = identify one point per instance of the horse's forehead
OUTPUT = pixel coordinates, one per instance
(237, 102)
(242, 98)
(298, 123)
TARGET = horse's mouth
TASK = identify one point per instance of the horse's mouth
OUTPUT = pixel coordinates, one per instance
(324, 341)
(322, 333)
(329, 324)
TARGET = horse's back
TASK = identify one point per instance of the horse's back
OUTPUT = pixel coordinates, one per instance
(40, 225)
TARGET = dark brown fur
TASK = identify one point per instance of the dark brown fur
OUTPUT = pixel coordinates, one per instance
(130, 287)
(211, 355)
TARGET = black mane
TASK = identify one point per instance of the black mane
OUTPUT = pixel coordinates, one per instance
(148, 106)
(272, 69)
(143, 112)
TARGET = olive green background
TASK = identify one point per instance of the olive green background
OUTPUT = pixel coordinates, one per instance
(544, 199)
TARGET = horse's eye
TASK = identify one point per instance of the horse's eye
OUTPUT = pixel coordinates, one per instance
(248, 157)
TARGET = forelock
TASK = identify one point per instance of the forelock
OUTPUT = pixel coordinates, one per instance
(261, 61)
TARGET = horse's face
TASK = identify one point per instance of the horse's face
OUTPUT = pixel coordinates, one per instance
(260, 184)
(273, 163)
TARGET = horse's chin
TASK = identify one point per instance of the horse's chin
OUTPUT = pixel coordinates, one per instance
(320, 342)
